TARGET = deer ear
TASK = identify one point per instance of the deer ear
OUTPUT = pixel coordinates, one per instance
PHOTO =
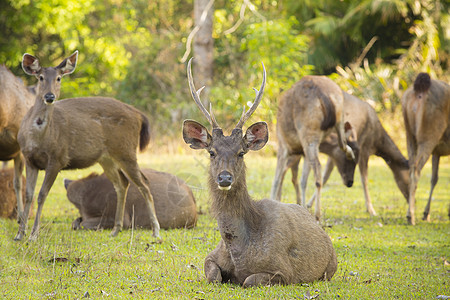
(30, 64)
(196, 135)
(350, 132)
(256, 136)
(67, 66)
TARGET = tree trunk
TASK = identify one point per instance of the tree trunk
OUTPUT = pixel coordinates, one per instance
(204, 46)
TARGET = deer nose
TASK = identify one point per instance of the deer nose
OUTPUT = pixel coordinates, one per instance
(349, 183)
(49, 98)
(224, 179)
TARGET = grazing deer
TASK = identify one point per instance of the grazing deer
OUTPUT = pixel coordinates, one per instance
(96, 200)
(426, 113)
(15, 100)
(263, 242)
(307, 113)
(76, 133)
(8, 202)
(372, 139)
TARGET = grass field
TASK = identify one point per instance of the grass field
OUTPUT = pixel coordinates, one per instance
(379, 257)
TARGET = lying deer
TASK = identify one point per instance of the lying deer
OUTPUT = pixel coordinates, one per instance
(263, 242)
(96, 200)
(426, 113)
(76, 133)
(8, 202)
(307, 113)
(372, 139)
(15, 100)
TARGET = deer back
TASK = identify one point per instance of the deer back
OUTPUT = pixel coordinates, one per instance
(314, 102)
(95, 197)
(426, 110)
(15, 100)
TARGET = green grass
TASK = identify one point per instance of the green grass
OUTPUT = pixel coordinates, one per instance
(379, 257)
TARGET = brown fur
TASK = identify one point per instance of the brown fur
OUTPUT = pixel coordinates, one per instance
(263, 242)
(15, 100)
(426, 113)
(8, 202)
(77, 133)
(302, 113)
(372, 139)
(95, 198)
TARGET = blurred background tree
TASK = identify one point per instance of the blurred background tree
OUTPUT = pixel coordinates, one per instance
(133, 49)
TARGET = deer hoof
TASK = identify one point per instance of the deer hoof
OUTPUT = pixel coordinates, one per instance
(410, 220)
(116, 230)
(19, 236)
(426, 217)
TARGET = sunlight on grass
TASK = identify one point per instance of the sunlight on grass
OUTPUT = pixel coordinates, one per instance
(379, 257)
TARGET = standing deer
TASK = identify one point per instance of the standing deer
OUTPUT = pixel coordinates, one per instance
(15, 100)
(263, 242)
(76, 133)
(96, 200)
(307, 113)
(426, 113)
(372, 140)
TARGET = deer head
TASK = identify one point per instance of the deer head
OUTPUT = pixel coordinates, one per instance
(226, 152)
(345, 165)
(49, 79)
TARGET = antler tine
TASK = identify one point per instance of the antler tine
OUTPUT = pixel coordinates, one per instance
(246, 115)
(196, 96)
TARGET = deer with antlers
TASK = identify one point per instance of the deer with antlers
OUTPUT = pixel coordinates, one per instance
(15, 100)
(76, 133)
(263, 242)
(426, 113)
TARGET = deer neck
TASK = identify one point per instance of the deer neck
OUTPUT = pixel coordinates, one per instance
(234, 210)
(41, 114)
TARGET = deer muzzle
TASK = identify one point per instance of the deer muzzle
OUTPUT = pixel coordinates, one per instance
(349, 183)
(224, 180)
(49, 98)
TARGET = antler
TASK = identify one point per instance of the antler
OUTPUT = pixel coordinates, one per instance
(196, 96)
(246, 115)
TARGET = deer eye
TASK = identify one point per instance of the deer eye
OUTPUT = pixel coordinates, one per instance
(41, 78)
(58, 78)
(241, 154)
(212, 154)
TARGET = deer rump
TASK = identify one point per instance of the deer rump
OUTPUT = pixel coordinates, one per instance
(96, 199)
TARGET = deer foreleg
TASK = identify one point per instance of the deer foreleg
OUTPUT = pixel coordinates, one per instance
(326, 175)
(294, 162)
(280, 171)
(262, 279)
(312, 157)
(32, 174)
(51, 172)
(304, 181)
(212, 271)
(18, 169)
(363, 168)
(416, 165)
(434, 179)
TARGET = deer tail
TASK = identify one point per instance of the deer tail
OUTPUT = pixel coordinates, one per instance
(329, 112)
(422, 83)
(144, 137)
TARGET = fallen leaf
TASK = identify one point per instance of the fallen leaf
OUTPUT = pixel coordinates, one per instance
(104, 293)
(443, 297)
(86, 295)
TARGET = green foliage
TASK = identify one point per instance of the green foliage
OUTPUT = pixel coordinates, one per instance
(378, 258)
(131, 50)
